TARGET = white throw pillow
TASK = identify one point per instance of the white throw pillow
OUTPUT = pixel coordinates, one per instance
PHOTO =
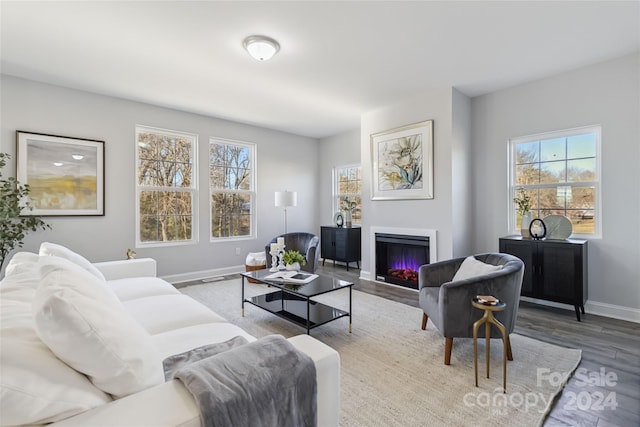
(471, 267)
(21, 262)
(53, 249)
(86, 326)
(36, 387)
(21, 272)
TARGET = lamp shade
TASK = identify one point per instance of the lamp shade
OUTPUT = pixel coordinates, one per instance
(286, 198)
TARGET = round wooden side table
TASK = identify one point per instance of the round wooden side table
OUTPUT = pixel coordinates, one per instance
(489, 320)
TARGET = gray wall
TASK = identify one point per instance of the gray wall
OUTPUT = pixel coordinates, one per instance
(284, 161)
(462, 197)
(337, 150)
(607, 94)
(434, 213)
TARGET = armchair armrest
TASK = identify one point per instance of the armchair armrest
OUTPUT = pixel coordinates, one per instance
(122, 269)
(310, 256)
(434, 275)
(455, 300)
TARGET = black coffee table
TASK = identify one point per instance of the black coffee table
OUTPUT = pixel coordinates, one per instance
(293, 301)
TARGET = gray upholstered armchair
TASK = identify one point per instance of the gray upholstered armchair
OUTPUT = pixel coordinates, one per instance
(448, 304)
(305, 243)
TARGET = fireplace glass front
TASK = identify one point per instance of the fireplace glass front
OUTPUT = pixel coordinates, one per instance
(398, 258)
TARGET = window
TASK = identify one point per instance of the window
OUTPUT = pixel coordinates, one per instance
(560, 173)
(347, 190)
(166, 188)
(232, 189)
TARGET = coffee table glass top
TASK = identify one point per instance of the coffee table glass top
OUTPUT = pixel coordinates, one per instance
(292, 301)
(322, 284)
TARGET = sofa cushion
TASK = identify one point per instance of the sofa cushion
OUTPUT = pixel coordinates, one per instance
(161, 313)
(141, 287)
(85, 325)
(53, 249)
(35, 385)
(180, 340)
(471, 267)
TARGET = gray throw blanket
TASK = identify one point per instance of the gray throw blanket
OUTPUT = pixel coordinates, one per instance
(265, 383)
(172, 363)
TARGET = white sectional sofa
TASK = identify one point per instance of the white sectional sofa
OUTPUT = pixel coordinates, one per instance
(82, 344)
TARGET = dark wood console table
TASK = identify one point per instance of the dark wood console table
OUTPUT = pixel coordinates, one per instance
(555, 270)
(341, 244)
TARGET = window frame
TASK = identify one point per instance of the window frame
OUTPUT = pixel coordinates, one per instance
(336, 205)
(597, 184)
(253, 217)
(193, 190)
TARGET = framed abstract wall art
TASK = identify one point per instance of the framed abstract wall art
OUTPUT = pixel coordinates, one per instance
(65, 175)
(402, 162)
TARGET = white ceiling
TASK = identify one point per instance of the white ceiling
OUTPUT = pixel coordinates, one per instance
(337, 59)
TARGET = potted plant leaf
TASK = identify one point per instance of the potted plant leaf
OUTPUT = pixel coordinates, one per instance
(15, 222)
(293, 260)
(523, 204)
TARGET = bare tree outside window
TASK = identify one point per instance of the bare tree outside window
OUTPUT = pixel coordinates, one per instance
(231, 182)
(559, 172)
(165, 185)
(348, 190)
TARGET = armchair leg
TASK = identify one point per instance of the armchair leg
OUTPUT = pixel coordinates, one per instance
(424, 321)
(508, 345)
(448, 346)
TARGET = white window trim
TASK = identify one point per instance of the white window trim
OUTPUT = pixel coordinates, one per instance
(254, 185)
(511, 187)
(193, 190)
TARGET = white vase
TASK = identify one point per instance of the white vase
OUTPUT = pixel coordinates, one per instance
(293, 267)
(524, 225)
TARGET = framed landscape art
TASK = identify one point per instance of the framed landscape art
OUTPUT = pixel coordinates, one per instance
(65, 175)
(402, 162)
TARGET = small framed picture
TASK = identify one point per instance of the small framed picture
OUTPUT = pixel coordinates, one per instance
(402, 162)
(338, 219)
(65, 175)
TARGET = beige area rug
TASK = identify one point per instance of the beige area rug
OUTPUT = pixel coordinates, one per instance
(393, 372)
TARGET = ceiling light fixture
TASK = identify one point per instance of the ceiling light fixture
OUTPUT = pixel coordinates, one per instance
(261, 48)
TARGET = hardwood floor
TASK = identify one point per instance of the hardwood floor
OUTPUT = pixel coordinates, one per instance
(605, 389)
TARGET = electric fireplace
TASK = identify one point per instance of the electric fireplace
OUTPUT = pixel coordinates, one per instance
(398, 258)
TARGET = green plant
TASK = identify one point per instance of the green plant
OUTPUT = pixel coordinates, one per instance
(523, 201)
(291, 257)
(14, 226)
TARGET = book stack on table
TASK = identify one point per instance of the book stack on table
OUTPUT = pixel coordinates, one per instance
(487, 299)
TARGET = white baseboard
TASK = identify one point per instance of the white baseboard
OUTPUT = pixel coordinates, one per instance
(365, 275)
(204, 274)
(615, 311)
(597, 308)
